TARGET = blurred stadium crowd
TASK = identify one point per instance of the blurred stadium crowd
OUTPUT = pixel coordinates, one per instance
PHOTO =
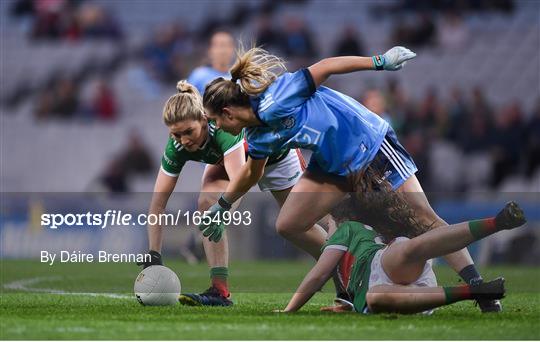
(80, 77)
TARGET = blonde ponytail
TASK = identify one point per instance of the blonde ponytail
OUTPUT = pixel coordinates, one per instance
(256, 69)
(184, 105)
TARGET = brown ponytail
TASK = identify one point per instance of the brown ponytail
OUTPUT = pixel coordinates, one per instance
(373, 202)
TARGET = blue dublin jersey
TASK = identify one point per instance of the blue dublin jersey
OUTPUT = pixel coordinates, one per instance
(203, 75)
(343, 134)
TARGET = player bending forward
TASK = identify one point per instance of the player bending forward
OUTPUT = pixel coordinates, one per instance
(194, 138)
(398, 277)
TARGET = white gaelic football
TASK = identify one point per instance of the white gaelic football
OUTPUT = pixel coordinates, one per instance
(157, 285)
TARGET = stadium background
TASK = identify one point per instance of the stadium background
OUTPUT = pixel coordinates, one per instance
(83, 84)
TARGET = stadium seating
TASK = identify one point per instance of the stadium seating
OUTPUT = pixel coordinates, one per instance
(489, 60)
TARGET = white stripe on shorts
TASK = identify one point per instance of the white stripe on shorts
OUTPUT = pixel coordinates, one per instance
(399, 160)
(392, 161)
(408, 170)
(397, 157)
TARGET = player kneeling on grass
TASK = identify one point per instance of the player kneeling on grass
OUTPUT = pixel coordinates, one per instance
(397, 277)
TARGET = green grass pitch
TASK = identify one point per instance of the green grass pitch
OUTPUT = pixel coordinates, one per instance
(258, 288)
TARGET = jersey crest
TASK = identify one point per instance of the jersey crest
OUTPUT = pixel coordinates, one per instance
(288, 122)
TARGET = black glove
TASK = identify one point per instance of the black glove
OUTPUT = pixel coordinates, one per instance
(155, 259)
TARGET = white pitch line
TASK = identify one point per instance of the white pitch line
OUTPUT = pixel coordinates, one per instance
(26, 285)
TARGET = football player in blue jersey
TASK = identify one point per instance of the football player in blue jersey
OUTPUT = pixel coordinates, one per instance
(279, 110)
(220, 58)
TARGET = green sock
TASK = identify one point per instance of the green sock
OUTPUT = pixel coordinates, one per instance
(219, 272)
(219, 276)
(457, 293)
(482, 228)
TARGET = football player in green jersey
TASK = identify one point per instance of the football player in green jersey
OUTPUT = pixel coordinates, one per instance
(397, 277)
(194, 137)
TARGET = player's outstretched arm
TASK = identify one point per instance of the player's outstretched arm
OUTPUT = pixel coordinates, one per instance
(315, 279)
(393, 59)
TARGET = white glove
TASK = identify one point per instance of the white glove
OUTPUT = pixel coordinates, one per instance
(393, 59)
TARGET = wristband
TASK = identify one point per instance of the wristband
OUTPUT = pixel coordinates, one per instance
(378, 62)
(223, 203)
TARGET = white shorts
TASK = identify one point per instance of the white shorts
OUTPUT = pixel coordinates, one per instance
(379, 277)
(283, 174)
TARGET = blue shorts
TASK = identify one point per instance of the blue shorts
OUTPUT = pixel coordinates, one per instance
(392, 161)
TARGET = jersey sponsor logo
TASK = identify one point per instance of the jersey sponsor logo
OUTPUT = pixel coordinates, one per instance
(168, 160)
(288, 122)
(387, 174)
(293, 177)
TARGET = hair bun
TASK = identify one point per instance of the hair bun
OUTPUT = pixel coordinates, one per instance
(184, 87)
